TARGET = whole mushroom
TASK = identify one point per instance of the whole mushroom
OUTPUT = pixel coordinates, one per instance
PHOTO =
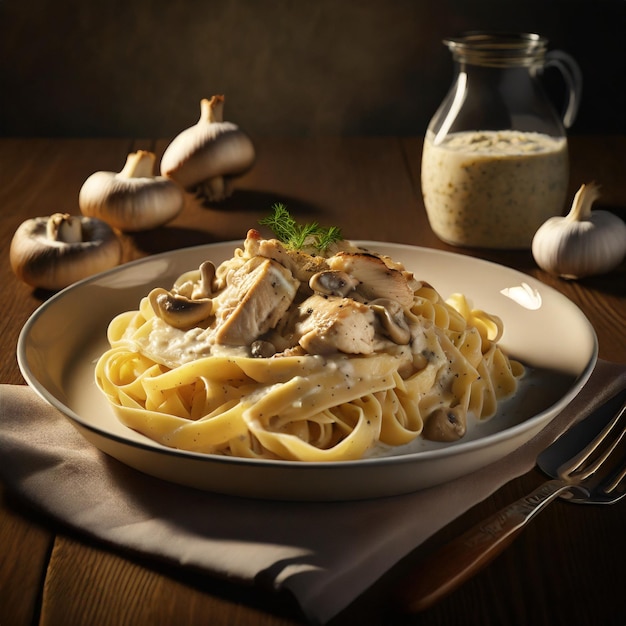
(207, 156)
(56, 251)
(445, 424)
(133, 199)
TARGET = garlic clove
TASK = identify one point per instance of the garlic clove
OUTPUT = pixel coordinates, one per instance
(205, 158)
(133, 199)
(584, 242)
(56, 251)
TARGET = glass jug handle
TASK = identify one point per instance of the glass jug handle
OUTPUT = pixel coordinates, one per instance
(573, 78)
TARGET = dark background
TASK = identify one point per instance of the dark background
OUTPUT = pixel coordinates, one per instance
(139, 68)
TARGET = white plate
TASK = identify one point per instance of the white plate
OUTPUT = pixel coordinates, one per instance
(60, 343)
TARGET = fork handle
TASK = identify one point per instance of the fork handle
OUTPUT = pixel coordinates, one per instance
(456, 562)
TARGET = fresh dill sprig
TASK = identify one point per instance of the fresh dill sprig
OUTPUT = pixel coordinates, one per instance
(328, 236)
(281, 223)
(297, 236)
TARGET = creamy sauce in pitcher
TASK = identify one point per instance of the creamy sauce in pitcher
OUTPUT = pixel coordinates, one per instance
(493, 188)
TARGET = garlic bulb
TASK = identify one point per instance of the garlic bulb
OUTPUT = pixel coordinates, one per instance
(582, 243)
(207, 156)
(133, 199)
(53, 252)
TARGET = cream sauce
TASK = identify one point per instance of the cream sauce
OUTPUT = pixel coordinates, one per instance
(173, 347)
(493, 188)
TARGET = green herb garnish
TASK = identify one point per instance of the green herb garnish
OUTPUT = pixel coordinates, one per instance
(297, 236)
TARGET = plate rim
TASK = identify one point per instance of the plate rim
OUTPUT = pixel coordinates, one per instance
(383, 460)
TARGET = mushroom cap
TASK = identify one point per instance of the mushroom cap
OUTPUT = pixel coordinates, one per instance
(207, 150)
(49, 264)
(130, 204)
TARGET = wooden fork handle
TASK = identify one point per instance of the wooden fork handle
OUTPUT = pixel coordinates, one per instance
(456, 562)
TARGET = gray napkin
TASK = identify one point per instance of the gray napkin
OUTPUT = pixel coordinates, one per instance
(325, 554)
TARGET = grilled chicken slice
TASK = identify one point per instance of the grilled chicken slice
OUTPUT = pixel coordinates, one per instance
(258, 294)
(375, 278)
(301, 264)
(334, 324)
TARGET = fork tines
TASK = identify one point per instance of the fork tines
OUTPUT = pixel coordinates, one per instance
(593, 457)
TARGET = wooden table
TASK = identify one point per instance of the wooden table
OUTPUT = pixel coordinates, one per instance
(565, 569)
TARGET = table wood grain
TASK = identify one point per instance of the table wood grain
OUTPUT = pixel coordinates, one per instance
(566, 568)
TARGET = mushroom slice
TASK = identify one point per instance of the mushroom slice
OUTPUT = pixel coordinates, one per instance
(391, 317)
(333, 283)
(196, 284)
(179, 311)
(301, 264)
(262, 349)
(445, 424)
(55, 251)
(376, 279)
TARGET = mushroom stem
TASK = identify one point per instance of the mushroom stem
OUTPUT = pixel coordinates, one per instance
(64, 228)
(212, 111)
(583, 200)
(138, 164)
(214, 189)
(207, 274)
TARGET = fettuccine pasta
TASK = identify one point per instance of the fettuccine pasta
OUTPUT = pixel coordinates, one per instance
(303, 356)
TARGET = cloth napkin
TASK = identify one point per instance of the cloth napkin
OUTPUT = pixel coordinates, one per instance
(325, 554)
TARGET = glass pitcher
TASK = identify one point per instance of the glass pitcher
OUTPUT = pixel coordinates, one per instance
(495, 163)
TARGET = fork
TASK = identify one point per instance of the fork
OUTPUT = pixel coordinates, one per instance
(582, 466)
(585, 477)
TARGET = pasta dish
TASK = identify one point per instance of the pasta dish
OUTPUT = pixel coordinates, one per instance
(303, 354)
